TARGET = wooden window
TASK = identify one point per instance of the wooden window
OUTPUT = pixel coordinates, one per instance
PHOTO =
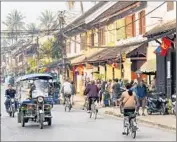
(134, 25)
(129, 26)
(75, 48)
(142, 22)
(83, 41)
(170, 6)
(101, 37)
(92, 39)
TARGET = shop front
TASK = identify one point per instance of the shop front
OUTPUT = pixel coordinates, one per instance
(165, 35)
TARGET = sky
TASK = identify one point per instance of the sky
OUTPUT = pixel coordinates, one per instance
(32, 10)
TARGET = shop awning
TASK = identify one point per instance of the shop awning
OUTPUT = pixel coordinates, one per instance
(84, 58)
(149, 66)
(112, 53)
(165, 28)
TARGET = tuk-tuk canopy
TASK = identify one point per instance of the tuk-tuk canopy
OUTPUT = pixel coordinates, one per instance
(34, 76)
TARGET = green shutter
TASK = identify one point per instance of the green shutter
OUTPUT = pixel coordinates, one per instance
(120, 32)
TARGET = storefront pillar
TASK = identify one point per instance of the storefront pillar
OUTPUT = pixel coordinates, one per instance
(127, 70)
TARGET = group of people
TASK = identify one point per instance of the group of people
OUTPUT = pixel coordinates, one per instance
(113, 93)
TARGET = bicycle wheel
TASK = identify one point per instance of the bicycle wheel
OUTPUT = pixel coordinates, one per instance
(91, 114)
(96, 112)
(133, 129)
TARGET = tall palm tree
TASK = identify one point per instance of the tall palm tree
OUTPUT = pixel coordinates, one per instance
(71, 5)
(47, 20)
(14, 22)
(32, 29)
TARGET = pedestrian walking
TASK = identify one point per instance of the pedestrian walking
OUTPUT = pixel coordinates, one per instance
(73, 92)
(116, 92)
(106, 97)
(102, 91)
(141, 91)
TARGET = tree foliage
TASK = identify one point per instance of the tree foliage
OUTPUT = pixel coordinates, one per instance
(14, 22)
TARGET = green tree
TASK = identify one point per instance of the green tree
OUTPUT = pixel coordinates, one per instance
(14, 22)
(46, 49)
(47, 20)
(32, 28)
(56, 49)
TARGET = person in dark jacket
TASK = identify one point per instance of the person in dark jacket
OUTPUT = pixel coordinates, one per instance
(92, 93)
(10, 93)
(141, 91)
(116, 93)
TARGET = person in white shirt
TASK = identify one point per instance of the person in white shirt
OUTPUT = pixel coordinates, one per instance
(66, 89)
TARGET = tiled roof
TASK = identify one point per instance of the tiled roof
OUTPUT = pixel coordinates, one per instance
(162, 28)
(115, 8)
(81, 19)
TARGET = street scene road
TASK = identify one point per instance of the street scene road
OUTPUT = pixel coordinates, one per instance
(76, 126)
(115, 59)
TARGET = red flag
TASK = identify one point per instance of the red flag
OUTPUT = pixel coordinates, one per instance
(166, 43)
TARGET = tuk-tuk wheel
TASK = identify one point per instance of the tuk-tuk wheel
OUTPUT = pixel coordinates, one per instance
(49, 121)
(41, 123)
(22, 120)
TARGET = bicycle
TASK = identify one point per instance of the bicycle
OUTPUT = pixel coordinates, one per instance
(86, 104)
(94, 109)
(130, 125)
(68, 103)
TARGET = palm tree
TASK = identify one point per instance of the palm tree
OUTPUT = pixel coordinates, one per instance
(14, 22)
(47, 20)
(32, 28)
(71, 5)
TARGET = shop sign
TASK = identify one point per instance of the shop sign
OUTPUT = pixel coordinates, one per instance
(168, 69)
(89, 66)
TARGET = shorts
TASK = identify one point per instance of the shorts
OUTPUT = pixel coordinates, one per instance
(141, 102)
(127, 112)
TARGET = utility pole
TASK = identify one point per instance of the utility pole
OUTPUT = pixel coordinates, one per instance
(37, 54)
(61, 40)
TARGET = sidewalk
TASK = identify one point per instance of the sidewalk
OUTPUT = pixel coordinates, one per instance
(163, 121)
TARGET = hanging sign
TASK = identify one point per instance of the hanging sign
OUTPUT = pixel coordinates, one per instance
(89, 66)
(168, 69)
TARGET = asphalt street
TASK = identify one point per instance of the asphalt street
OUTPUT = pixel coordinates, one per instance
(75, 126)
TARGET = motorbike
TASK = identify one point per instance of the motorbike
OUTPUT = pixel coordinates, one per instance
(174, 103)
(11, 109)
(157, 103)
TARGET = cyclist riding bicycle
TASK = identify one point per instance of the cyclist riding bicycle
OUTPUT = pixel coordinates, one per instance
(92, 93)
(128, 101)
(66, 89)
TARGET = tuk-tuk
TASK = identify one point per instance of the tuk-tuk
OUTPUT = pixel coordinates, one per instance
(33, 94)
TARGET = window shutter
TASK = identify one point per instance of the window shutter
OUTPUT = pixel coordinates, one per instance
(129, 29)
(92, 39)
(134, 25)
(75, 48)
(142, 23)
(120, 32)
(170, 6)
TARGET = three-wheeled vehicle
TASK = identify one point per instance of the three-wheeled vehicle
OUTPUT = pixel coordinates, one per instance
(35, 104)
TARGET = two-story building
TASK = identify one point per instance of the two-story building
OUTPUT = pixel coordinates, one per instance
(165, 65)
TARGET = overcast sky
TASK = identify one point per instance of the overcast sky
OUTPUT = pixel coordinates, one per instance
(32, 10)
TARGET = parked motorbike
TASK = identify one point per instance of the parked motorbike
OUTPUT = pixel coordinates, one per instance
(174, 103)
(11, 109)
(157, 103)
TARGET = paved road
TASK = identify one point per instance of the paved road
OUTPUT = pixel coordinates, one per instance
(76, 126)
